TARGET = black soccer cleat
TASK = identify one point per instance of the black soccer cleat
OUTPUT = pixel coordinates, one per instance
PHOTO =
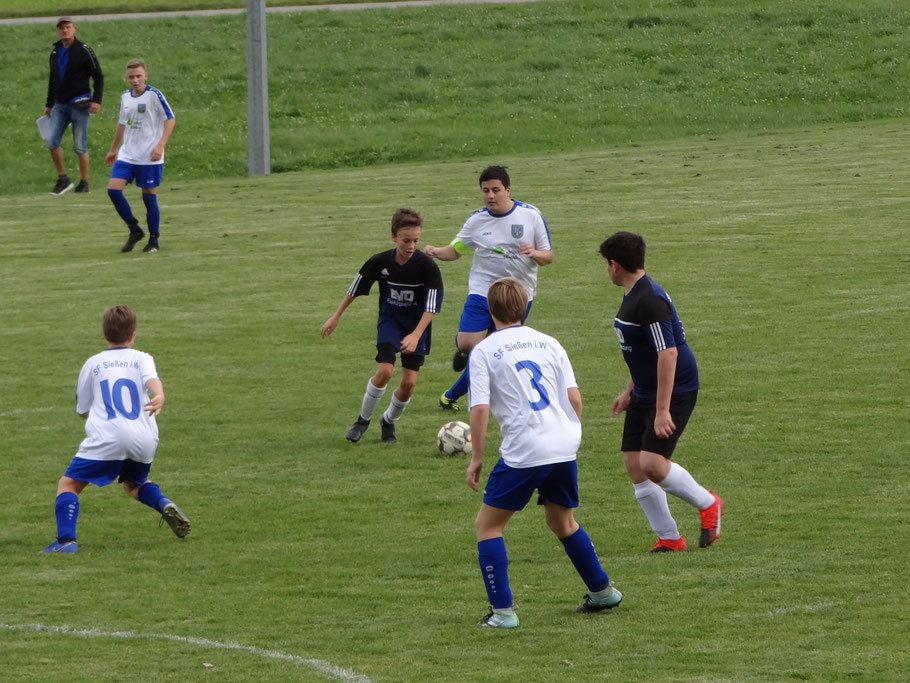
(459, 360)
(388, 431)
(135, 236)
(357, 429)
(82, 187)
(150, 248)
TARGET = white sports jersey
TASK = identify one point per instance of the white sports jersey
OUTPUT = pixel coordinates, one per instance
(111, 389)
(525, 377)
(495, 239)
(142, 117)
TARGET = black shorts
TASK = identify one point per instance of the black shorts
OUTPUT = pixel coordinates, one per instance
(638, 431)
(385, 353)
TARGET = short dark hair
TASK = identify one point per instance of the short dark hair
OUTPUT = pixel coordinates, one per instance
(507, 300)
(626, 248)
(118, 323)
(496, 173)
(406, 218)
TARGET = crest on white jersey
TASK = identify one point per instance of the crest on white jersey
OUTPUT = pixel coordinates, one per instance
(517, 231)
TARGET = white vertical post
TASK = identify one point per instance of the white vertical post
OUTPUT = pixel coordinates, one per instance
(257, 80)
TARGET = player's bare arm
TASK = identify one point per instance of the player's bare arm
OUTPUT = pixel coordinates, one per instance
(156, 401)
(540, 256)
(158, 151)
(111, 156)
(480, 417)
(666, 373)
(575, 401)
(329, 325)
(621, 402)
(446, 253)
(409, 343)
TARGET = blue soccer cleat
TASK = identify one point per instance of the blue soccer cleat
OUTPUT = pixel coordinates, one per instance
(58, 547)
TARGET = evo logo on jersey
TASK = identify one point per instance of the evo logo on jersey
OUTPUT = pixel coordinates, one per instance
(404, 295)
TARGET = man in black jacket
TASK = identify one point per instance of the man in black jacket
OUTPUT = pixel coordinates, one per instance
(70, 101)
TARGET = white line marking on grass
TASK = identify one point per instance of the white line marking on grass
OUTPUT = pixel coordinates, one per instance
(30, 411)
(818, 606)
(317, 664)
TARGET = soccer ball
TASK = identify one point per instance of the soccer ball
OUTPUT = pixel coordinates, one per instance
(454, 438)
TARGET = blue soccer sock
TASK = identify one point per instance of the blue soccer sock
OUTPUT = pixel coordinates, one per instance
(152, 216)
(581, 551)
(494, 567)
(123, 208)
(150, 494)
(66, 509)
(461, 386)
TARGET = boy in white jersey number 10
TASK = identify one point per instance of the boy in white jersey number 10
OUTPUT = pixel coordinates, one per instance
(118, 394)
(144, 126)
(525, 380)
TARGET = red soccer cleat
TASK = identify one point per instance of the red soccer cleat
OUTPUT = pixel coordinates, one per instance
(668, 545)
(710, 521)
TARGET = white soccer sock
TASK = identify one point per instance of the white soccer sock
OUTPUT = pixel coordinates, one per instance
(653, 501)
(395, 409)
(371, 397)
(682, 485)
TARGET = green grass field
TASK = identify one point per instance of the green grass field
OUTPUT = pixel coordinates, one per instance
(782, 241)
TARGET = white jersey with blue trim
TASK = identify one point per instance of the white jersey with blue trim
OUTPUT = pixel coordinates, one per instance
(525, 377)
(495, 239)
(111, 389)
(142, 117)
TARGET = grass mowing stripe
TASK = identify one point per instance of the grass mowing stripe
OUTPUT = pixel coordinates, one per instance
(317, 664)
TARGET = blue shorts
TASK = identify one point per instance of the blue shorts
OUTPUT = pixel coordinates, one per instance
(475, 315)
(103, 472)
(63, 115)
(145, 175)
(510, 488)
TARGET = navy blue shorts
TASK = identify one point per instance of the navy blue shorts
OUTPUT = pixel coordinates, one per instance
(510, 488)
(145, 175)
(638, 430)
(475, 315)
(103, 472)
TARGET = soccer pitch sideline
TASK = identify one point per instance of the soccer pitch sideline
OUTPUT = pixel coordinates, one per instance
(314, 559)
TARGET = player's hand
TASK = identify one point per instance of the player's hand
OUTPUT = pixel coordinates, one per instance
(110, 158)
(620, 403)
(527, 249)
(329, 326)
(47, 111)
(409, 343)
(663, 425)
(157, 153)
(94, 108)
(473, 473)
(153, 407)
(430, 251)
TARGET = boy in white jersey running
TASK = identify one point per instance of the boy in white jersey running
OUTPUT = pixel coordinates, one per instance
(144, 126)
(509, 238)
(118, 394)
(524, 378)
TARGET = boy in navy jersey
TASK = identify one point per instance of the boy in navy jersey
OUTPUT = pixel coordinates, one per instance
(659, 397)
(410, 294)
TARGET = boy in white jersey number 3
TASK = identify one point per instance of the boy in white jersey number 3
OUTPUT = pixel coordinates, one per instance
(524, 378)
(144, 126)
(118, 394)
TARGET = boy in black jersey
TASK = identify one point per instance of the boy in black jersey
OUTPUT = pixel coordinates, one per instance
(410, 294)
(659, 397)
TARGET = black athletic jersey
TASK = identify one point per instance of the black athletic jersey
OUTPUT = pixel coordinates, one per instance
(406, 291)
(646, 324)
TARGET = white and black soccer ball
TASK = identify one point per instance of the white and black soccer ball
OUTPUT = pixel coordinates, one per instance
(454, 438)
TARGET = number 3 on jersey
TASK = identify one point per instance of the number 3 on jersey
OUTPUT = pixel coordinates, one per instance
(536, 376)
(113, 401)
